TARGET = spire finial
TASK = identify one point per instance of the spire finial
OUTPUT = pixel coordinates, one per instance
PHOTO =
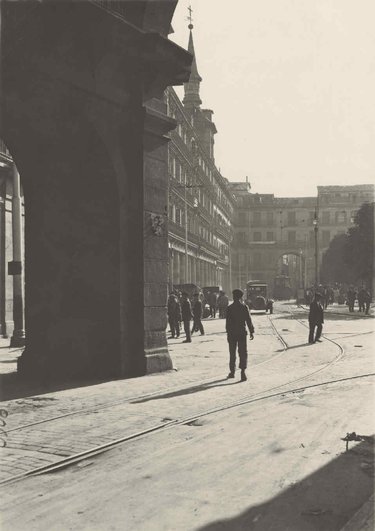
(190, 18)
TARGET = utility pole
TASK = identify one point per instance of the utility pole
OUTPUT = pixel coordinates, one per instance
(316, 226)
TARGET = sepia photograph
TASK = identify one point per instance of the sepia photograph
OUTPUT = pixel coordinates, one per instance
(187, 193)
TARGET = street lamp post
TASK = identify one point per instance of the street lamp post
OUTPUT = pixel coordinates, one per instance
(186, 234)
(316, 224)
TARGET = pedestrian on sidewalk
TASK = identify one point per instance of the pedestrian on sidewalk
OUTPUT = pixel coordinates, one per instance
(316, 319)
(351, 297)
(367, 301)
(174, 315)
(238, 316)
(186, 315)
(222, 304)
(197, 315)
(212, 301)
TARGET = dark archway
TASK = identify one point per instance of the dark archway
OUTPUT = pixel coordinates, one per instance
(71, 255)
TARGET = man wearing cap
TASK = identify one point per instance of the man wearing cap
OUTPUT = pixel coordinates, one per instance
(238, 316)
(316, 319)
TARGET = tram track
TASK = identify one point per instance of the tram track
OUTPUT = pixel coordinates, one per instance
(79, 457)
(271, 392)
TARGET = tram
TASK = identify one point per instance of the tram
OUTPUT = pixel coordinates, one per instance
(256, 296)
(282, 289)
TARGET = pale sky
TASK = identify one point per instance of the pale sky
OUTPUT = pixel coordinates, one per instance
(292, 87)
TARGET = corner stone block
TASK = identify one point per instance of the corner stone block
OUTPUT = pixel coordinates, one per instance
(155, 318)
(155, 294)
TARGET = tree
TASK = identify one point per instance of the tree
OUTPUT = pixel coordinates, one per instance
(333, 268)
(359, 245)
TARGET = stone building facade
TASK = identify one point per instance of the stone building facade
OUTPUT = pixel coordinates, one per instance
(268, 228)
(201, 205)
(84, 119)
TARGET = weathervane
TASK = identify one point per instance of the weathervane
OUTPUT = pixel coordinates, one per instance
(190, 18)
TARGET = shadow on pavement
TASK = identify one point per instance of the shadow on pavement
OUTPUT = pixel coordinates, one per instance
(188, 390)
(327, 316)
(324, 500)
(12, 386)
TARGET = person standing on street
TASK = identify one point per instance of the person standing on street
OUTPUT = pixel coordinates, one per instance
(361, 299)
(316, 319)
(238, 316)
(186, 315)
(197, 315)
(222, 304)
(212, 301)
(174, 315)
(367, 301)
(351, 297)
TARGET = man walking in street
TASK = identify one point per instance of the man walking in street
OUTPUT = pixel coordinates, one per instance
(197, 315)
(316, 319)
(238, 316)
(186, 315)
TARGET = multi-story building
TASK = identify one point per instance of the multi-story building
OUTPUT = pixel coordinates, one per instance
(200, 202)
(271, 232)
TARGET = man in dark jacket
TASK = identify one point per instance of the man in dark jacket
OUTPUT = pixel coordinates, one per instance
(197, 315)
(212, 301)
(222, 304)
(174, 315)
(238, 316)
(186, 315)
(351, 297)
(316, 319)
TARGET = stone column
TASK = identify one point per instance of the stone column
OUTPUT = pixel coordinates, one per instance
(18, 337)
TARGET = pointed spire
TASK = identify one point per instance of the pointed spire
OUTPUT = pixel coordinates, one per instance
(192, 98)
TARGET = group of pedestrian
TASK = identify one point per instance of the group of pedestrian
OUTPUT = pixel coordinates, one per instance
(341, 294)
(363, 296)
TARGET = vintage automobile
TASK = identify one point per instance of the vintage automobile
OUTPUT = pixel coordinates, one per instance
(256, 296)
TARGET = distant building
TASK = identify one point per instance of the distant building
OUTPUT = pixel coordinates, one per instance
(201, 205)
(268, 229)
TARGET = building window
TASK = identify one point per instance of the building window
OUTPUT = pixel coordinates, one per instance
(326, 217)
(340, 216)
(291, 218)
(291, 236)
(256, 218)
(257, 236)
(257, 260)
(178, 216)
(269, 218)
(270, 237)
(242, 218)
(241, 236)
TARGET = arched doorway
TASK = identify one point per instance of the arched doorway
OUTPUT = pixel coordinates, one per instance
(289, 279)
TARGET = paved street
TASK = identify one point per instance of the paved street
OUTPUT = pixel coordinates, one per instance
(280, 450)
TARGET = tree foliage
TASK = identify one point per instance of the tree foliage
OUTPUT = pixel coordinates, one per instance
(350, 257)
(333, 268)
(359, 245)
